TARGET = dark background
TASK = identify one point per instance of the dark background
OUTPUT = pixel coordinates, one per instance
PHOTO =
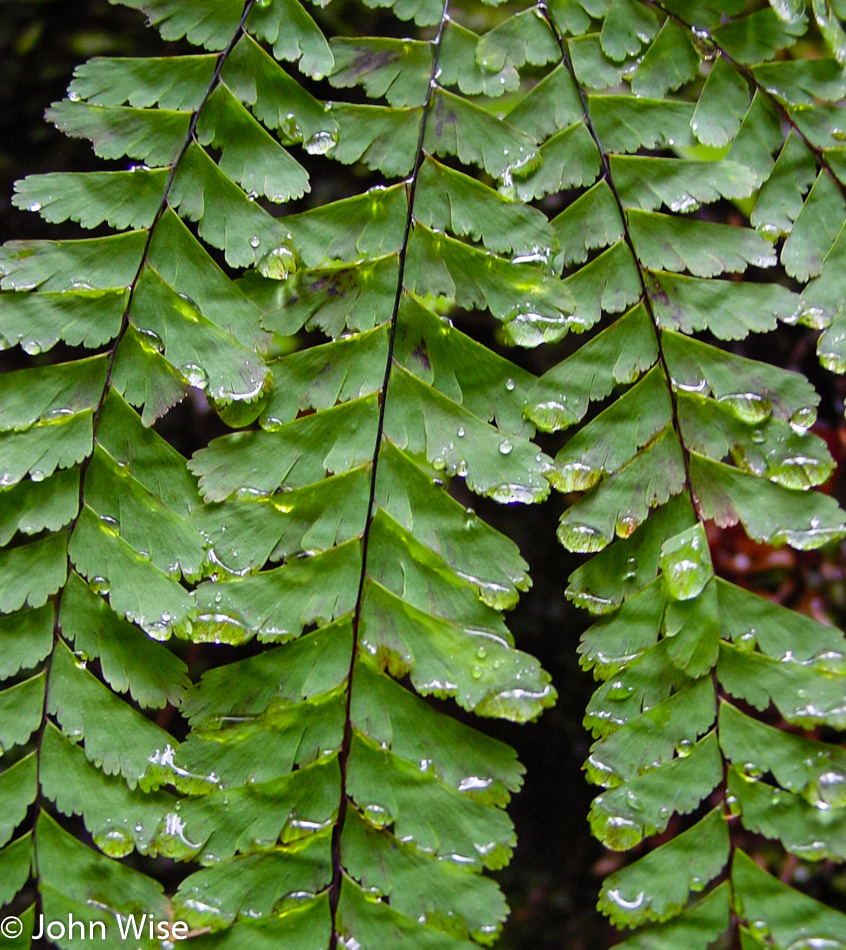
(554, 878)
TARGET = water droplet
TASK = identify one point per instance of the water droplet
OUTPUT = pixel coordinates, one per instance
(321, 142)
(509, 384)
(505, 447)
(32, 347)
(624, 903)
(99, 584)
(255, 240)
(114, 843)
(803, 419)
(525, 327)
(278, 264)
(512, 493)
(626, 526)
(829, 789)
(747, 641)
(377, 815)
(619, 690)
(750, 407)
(620, 833)
(705, 46)
(581, 538)
(476, 672)
(800, 472)
(151, 338)
(74, 96)
(758, 437)
(36, 475)
(553, 414)
(195, 375)
(473, 783)
(686, 563)
(35, 206)
(481, 653)
(684, 748)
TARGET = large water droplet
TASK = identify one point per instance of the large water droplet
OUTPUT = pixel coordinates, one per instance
(803, 419)
(505, 447)
(621, 834)
(99, 584)
(829, 789)
(525, 327)
(800, 472)
(321, 142)
(195, 375)
(750, 407)
(581, 538)
(279, 263)
(705, 46)
(624, 903)
(686, 563)
(377, 815)
(151, 338)
(574, 476)
(114, 842)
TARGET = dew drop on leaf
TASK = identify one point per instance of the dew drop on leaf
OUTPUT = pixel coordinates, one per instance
(114, 843)
(803, 419)
(750, 407)
(195, 375)
(581, 538)
(686, 563)
(279, 263)
(321, 142)
(705, 46)
(151, 338)
(829, 789)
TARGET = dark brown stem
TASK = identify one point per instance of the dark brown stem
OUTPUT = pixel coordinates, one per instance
(627, 236)
(647, 302)
(346, 744)
(112, 354)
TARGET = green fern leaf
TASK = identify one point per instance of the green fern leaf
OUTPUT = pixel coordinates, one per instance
(587, 167)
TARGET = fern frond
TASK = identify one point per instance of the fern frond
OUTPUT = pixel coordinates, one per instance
(326, 530)
(566, 172)
(693, 435)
